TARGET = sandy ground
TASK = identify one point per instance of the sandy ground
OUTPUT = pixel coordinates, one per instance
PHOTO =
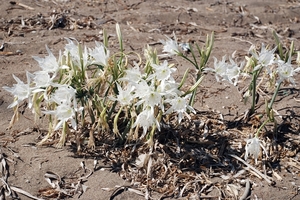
(26, 28)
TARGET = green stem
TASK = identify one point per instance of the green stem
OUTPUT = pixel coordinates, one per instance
(116, 129)
(265, 122)
(194, 57)
(195, 64)
(269, 109)
(253, 92)
(192, 99)
(270, 105)
(254, 79)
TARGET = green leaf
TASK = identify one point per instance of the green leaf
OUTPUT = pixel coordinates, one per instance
(194, 86)
(279, 45)
(183, 78)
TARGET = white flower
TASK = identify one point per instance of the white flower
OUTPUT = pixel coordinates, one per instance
(147, 94)
(65, 99)
(72, 49)
(180, 105)
(228, 71)
(169, 88)
(142, 88)
(125, 97)
(163, 71)
(233, 72)
(286, 71)
(65, 94)
(42, 79)
(21, 91)
(220, 68)
(100, 54)
(152, 98)
(171, 47)
(252, 148)
(49, 63)
(78, 58)
(146, 119)
(264, 58)
(133, 74)
(63, 112)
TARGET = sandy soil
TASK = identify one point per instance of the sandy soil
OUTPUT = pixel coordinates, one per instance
(26, 28)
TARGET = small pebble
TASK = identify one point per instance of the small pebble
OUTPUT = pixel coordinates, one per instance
(243, 182)
(293, 183)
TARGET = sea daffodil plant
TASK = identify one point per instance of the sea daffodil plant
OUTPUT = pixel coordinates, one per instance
(266, 65)
(91, 87)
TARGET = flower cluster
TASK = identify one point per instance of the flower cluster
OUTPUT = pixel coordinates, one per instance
(277, 68)
(54, 82)
(88, 85)
(263, 60)
(227, 71)
(151, 91)
(172, 47)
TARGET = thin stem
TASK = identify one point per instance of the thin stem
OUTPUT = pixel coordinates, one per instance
(115, 128)
(195, 64)
(194, 57)
(253, 93)
(192, 99)
(265, 122)
(254, 79)
(270, 105)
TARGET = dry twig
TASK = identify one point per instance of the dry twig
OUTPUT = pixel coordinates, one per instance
(253, 168)
(246, 192)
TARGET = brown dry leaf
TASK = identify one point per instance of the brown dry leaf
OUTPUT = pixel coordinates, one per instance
(49, 192)
(7, 53)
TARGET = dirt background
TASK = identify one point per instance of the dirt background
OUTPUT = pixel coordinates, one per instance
(24, 32)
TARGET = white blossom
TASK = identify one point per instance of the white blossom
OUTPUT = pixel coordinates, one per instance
(169, 88)
(42, 79)
(264, 58)
(21, 90)
(133, 75)
(63, 113)
(227, 71)
(163, 71)
(64, 94)
(148, 95)
(100, 54)
(146, 119)
(125, 97)
(233, 72)
(77, 57)
(49, 63)
(179, 105)
(171, 47)
(252, 148)
(286, 71)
